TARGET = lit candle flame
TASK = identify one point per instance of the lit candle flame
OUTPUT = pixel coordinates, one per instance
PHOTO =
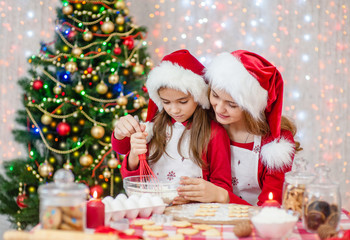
(270, 196)
(94, 195)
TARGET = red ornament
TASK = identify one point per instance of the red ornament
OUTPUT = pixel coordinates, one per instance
(89, 69)
(63, 129)
(129, 43)
(144, 89)
(117, 50)
(98, 189)
(20, 200)
(37, 84)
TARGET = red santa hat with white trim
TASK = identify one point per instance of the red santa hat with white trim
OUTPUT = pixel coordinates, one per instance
(181, 71)
(253, 82)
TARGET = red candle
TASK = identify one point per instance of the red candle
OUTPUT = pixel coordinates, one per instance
(95, 212)
(271, 202)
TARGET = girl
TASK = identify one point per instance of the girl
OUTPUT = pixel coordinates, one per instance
(184, 141)
(246, 96)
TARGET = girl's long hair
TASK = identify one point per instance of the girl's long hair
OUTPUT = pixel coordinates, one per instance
(261, 127)
(199, 128)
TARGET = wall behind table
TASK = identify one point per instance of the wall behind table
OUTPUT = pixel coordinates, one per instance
(307, 41)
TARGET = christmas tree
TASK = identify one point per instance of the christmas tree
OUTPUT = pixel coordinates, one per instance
(77, 87)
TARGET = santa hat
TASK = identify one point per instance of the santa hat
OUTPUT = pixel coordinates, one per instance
(253, 82)
(181, 71)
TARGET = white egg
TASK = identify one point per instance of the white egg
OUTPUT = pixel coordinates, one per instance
(130, 204)
(157, 201)
(121, 196)
(117, 205)
(135, 197)
(107, 201)
(145, 201)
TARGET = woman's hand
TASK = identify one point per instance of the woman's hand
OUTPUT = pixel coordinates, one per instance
(126, 126)
(200, 190)
(179, 200)
(138, 146)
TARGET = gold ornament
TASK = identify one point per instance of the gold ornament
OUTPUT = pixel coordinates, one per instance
(87, 36)
(71, 66)
(136, 104)
(102, 88)
(142, 101)
(113, 78)
(144, 114)
(107, 27)
(45, 169)
(138, 69)
(122, 101)
(97, 132)
(79, 87)
(68, 165)
(120, 19)
(46, 119)
(86, 160)
(149, 63)
(120, 4)
(76, 51)
(113, 163)
(126, 11)
(57, 89)
(106, 173)
(67, 10)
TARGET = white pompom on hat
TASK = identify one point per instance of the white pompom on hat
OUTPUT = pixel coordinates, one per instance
(181, 71)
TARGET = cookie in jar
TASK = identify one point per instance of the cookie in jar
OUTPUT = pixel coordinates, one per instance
(63, 203)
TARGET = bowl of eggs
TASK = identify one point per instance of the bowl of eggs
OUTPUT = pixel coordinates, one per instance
(131, 207)
(273, 222)
(136, 185)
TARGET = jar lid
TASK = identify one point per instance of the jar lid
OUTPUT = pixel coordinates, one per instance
(300, 173)
(323, 180)
(63, 186)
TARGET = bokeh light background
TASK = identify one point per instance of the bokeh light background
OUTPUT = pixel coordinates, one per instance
(307, 40)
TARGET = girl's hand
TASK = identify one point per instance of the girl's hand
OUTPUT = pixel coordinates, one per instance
(179, 200)
(126, 126)
(200, 190)
(138, 145)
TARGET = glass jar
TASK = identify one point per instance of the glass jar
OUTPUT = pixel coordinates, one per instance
(294, 186)
(63, 203)
(322, 203)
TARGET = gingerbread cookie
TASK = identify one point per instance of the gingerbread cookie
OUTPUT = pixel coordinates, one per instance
(52, 218)
(141, 222)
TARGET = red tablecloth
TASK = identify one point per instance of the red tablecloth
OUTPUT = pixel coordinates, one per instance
(227, 231)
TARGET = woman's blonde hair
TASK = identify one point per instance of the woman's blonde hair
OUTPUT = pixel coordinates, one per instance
(199, 127)
(261, 127)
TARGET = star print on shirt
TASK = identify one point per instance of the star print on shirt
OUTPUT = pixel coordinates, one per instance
(234, 181)
(171, 175)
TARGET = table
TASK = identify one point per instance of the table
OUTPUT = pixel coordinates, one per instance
(299, 233)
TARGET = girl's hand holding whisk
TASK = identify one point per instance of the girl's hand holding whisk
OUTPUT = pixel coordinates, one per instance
(126, 126)
(138, 146)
